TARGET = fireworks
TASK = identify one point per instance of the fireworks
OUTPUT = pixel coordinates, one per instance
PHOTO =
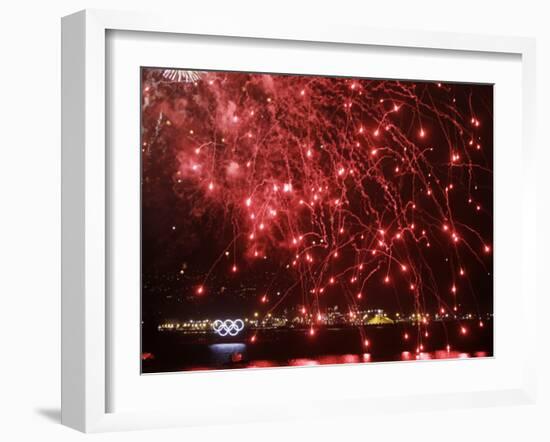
(345, 187)
(180, 75)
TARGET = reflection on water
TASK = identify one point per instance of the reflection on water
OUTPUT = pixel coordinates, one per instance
(279, 348)
(227, 353)
(440, 354)
(235, 354)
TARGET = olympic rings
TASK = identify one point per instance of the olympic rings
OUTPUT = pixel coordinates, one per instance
(227, 327)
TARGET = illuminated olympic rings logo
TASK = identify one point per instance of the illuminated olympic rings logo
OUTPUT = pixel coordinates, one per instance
(227, 327)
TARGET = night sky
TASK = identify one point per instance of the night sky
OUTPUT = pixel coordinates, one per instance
(276, 193)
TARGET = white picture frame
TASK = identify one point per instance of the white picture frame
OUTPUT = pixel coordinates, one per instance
(85, 210)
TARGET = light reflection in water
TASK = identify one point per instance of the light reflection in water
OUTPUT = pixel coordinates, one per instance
(331, 359)
(339, 359)
(302, 361)
(440, 354)
(261, 364)
(235, 354)
(227, 352)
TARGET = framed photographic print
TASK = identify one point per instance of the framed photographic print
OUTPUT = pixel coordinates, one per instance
(295, 220)
(268, 217)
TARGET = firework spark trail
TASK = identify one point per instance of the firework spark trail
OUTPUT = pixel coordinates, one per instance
(334, 179)
(180, 75)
